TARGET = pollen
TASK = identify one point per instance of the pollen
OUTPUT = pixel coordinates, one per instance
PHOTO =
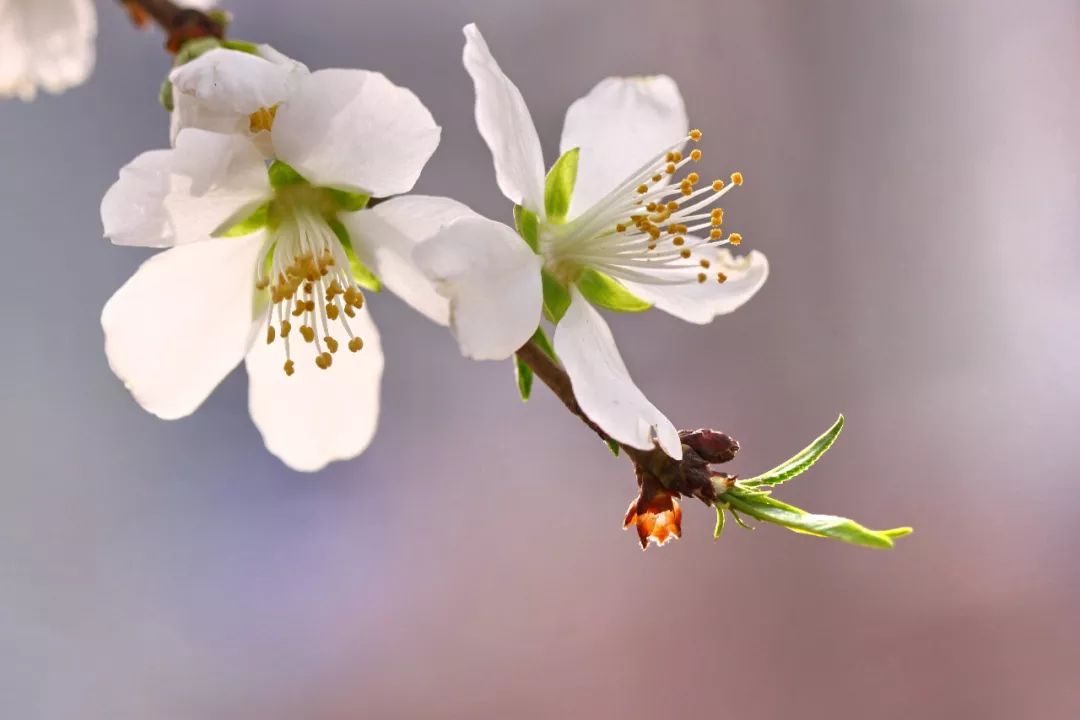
(679, 240)
(332, 344)
(705, 263)
(262, 119)
(685, 254)
(290, 367)
(736, 177)
(721, 277)
(270, 333)
(717, 185)
(735, 239)
(324, 360)
(642, 189)
(702, 277)
(670, 169)
(308, 333)
(695, 135)
(695, 154)
(356, 344)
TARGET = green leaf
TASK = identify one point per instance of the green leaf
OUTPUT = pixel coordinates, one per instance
(347, 201)
(556, 296)
(524, 375)
(606, 291)
(528, 227)
(282, 175)
(255, 221)
(559, 186)
(360, 272)
(719, 529)
(612, 446)
(826, 526)
(801, 462)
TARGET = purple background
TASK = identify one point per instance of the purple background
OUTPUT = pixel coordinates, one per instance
(912, 175)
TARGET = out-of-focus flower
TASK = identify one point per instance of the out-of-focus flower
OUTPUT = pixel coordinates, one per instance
(609, 225)
(49, 44)
(268, 265)
(656, 514)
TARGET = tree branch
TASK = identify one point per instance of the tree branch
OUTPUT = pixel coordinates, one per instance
(179, 24)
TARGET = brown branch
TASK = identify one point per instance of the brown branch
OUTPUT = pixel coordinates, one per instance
(179, 24)
(689, 476)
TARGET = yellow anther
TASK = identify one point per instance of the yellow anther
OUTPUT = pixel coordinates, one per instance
(324, 360)
(685, 254)
(721, 277)
(692, 178)
(657, 178)
(695, 154)
(286, 328)
(735, 239)
(262, 119)
(654, 232)
(331, 344)
(349, 311)
(262, 283)
(642, 189)
(715, 234)
(308, 333)
(670, 157)
(695, 135)
(736, 177)
(704, 263)
(702, 277)
(676, 156)
(290, 368)
(355, 344)
(620, 228)
(687, 189)
(298, 310)
(679, 240)
(307, 288)
(672, 206)
(718, 185)
(670, 169)
(651, 207)
(652, 246)
(331, 311)
(270, 334)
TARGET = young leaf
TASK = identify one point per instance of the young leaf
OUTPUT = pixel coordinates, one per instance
(524, 375)
(556, 296)
(801, 462)
(559, 186)
(360, 272)
(827, 526)
(606, 291)
(719, 529)
(528, 227)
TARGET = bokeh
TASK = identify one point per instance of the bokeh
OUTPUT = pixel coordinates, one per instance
(912, 174)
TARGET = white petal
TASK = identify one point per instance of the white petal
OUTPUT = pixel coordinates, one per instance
(355, 130)
(197, 4)
(220, 89)
(182, 322)
(506, 126)
(493, 281)
(133, 209)
(47, 44)
(619, 126)
(385, 237)
(602, 384)
(217, 181)
(701, 302)
(317, 416)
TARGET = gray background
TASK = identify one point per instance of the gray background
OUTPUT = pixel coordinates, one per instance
(911, 173)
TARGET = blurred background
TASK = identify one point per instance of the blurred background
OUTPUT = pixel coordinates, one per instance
(912, 173)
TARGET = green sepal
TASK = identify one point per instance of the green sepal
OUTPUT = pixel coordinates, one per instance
(195, 47)
(165, 95)
(360, 272)
(528, 227)
(347, 201)
(556, 296)
(801, 462)
(524, 376)
(559, 186)
(241, 46)
(222, 17)
(613, 446)
(541, 339)
(283, 175)
(607, 292)
(800, 521)
(255, 221)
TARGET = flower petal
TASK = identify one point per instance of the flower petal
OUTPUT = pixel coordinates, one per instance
(46, 44)
(220, 89)
(619, 126)
(385, 236)
(182, 322)
(217, 181)
(701, 302)
(133, 209)
(355, 130)
(506, 126)
(317, 416)
(493, 281)
(602, 384)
